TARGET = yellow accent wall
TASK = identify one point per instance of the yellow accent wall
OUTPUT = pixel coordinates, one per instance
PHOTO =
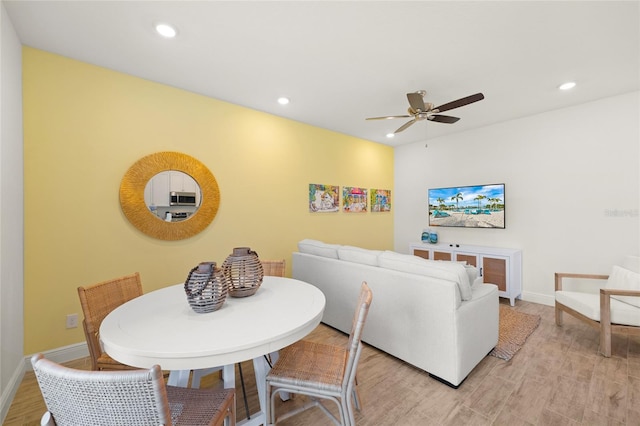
(84, 126)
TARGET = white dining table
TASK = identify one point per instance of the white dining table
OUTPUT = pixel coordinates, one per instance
(160, 327)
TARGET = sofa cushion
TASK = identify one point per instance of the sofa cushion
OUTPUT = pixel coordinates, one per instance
(477, 282)
(624, 279)
(318, 248)
(450, 271)
(358, 255)
(472, 274)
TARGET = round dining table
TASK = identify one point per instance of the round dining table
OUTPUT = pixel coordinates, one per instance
(160, 327)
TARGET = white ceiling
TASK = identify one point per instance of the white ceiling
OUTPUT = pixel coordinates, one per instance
(340, 62)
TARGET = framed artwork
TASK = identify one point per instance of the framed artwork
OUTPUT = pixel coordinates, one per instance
(380, 200)
(475, 206)
(324, 198)
(354, 200)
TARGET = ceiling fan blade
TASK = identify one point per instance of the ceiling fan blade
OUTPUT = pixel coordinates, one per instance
(405, 125)
(387, 117)
(416, 101)
(460, 102)
(443, 118)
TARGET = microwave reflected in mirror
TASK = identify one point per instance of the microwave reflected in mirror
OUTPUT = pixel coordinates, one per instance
(172, 196)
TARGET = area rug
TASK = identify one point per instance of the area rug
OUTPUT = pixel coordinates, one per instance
(515, 327)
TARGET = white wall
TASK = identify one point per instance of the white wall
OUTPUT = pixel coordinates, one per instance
(572, 187)
(11, 214)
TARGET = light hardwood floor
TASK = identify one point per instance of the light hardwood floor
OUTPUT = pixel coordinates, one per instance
(557, 378)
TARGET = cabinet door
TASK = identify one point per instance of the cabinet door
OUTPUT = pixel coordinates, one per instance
(182, 182)
(422, 253)
(471, 259)
(160, 189)
(442, 255)
(494, 270)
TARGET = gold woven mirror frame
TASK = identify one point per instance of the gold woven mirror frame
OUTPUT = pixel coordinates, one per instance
(135, 209)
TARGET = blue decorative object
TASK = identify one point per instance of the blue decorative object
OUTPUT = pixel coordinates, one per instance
(433, 237)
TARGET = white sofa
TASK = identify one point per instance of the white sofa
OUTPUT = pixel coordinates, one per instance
(434, 315)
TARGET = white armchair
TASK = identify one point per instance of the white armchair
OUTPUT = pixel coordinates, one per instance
(615, 309)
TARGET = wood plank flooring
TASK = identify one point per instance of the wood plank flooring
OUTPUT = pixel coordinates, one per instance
(557, 378)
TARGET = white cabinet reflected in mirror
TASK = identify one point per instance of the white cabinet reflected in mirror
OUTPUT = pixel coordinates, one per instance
(172, 196)
(138, 183)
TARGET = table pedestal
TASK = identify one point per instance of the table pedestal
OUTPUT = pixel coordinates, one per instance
(260, 368)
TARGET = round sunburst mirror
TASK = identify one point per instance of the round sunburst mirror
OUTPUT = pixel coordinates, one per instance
(181, 217)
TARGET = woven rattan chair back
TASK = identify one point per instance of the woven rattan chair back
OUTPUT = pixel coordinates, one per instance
(273, 268)
(321, 371)
(97, 302)
(134, 397)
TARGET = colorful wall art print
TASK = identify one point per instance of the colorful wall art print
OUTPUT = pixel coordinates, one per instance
(324, 198)
(354, 200)
(380, 200)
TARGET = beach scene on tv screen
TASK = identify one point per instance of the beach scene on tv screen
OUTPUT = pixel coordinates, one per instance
(480, 206)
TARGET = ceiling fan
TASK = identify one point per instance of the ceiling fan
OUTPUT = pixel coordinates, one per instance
(421, 110)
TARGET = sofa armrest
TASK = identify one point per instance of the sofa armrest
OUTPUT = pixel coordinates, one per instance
(561, 275)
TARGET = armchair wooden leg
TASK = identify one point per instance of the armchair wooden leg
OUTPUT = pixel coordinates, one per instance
(559, 318)
(605, 340)
(605, 325)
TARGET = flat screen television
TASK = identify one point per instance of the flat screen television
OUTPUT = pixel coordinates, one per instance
(476, 206)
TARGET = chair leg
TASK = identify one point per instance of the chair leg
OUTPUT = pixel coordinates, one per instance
(605, 325)
(605, 337)
(356, 396)
(559, 319)
(271, 407)
(346, 411)
(356, 399)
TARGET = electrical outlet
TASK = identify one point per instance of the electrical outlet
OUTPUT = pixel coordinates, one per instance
(72, 320)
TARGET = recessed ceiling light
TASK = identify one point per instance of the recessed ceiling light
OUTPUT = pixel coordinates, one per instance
(166, 30)
(283, 101)
(390, 135)
(568, 85)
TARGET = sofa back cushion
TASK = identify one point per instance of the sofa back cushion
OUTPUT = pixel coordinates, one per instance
(472, 273)
(450, 271)
(318, 248)
(359, 255)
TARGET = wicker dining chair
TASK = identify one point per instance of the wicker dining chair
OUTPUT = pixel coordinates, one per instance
(273, 268)
(321, 371)
(97, 302)
(134, 397)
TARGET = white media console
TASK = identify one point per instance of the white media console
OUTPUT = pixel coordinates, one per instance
(499, 266)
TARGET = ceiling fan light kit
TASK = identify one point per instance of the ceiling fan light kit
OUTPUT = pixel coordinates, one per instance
(420, 110)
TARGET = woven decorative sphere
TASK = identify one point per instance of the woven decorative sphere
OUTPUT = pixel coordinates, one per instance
(206, 288)
(243, 272)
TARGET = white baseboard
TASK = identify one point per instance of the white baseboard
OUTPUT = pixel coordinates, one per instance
(10, 391)
(542, 299)
(59, 355)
